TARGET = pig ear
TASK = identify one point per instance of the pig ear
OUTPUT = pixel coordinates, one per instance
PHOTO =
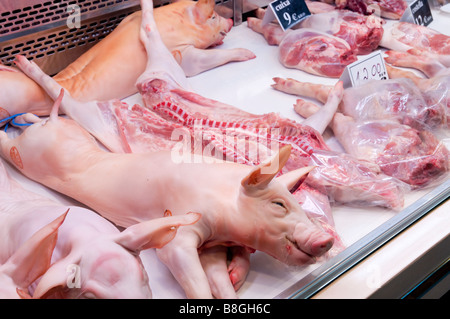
(53, 283)
(154, 233)
(262, 174)
(294, 178)
(203, 10)
(33, 258)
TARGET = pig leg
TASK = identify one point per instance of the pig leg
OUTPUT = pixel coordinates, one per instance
(322, 118)
(161, 64)
(225, 278)
(195, 61)
(271, 32)
(182, 259)
(239, 266)
(215, 266)
(19, 94)
(424, 63)
(319, 92)
(90, 115)
(305, 108)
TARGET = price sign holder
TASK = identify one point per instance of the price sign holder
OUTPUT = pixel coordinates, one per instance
(418, 12)
(369, 67)
(287, 12)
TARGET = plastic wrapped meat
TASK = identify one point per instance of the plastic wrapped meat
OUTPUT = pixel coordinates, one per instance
(404, 36)
(435, 89)
(315, 52)
(362, 33)
(399, 99)
(391, 9)
(306, 49)
(414, 156)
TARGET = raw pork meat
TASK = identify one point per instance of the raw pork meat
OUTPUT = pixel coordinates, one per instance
(306, 49)
(362, 33)
(414, 156)
(390, 9)
(155, 173)
(192, 31)
(404, 36)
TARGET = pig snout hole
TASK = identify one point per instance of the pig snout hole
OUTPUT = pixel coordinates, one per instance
(321, 246)
(312, 240)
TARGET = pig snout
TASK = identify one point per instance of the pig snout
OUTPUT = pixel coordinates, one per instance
(229, 24)
(312, 240)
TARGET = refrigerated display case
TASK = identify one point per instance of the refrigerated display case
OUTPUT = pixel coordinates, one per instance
(389, 254)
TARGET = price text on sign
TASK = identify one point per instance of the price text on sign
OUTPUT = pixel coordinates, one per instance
(421, 12)
(371, 67)
(289, 12)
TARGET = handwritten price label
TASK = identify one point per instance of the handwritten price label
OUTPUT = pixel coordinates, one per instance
(421, 12)
(371, 67)
(287, 12)
(418, 12)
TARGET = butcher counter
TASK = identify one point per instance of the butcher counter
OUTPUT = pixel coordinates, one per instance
(389, 254)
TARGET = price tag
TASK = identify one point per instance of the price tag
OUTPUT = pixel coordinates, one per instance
(418, 12)
(370, 67)
(287, 12)
(421, 12)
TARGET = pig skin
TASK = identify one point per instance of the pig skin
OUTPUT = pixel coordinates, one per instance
(108, 260)
(157, 162)
(191, 30)
(162, 183)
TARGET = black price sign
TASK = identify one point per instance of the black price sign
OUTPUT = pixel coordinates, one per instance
(421, 12)
(289, 12)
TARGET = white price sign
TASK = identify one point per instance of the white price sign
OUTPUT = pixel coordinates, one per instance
(370, 67)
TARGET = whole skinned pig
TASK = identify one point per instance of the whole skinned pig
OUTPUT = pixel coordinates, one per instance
(240, 205)
(49, 250)
(191, 30)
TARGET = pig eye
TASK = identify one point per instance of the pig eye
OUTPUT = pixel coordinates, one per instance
(279, 203)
